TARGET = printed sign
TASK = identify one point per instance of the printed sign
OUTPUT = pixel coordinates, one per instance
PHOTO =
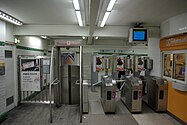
(140, 64)
(2, 68)
(120, 63)
(67, 43)
(30, 81)
(99, 63)
(46, 62)
(30, 75)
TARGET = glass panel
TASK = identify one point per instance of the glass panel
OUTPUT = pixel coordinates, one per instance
(179, 66)
(168, 65)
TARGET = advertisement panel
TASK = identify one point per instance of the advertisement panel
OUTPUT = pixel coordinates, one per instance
(99, 63)
(30, 75)
(120, 63)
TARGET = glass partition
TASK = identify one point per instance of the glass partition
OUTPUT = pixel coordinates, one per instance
(168, 65)
(174, 65)
(179, 66)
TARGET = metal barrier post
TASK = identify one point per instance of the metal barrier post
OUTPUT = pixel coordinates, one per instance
(50, 91)
(81, 99)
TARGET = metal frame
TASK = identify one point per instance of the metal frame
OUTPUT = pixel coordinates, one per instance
(62, 45)
(171, 78)
(21, 94)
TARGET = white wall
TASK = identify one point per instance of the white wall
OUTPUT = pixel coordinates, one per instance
(7, 87)
(8, 82)
(2, 30)
(33, 42)
(10, 77)
(174, 25)
(2, 77)
(2, 84)
(154, 51)
(9, 35)
(57, 30)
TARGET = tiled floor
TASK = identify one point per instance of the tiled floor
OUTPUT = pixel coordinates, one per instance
(37, 114)
(147, 117)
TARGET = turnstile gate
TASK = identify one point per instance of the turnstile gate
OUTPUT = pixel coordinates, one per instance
(157, 93)
(108, 94)
(131, 94)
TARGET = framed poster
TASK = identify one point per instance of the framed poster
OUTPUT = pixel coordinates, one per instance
(120, 63)
(99, 63)
(30, 74)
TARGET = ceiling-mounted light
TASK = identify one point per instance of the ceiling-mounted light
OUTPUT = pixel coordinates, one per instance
(111, 5)
(16, 40)
(79, 18)
(76, 4)
(44, 37)
(109, 9)
(105, 19)
(9, 18)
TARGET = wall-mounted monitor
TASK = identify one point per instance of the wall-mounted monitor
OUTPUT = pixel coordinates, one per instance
(138, 35)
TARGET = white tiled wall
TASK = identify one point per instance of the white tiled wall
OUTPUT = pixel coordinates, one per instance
(2, 85)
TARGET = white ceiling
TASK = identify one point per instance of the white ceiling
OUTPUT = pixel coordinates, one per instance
(150, 12)
(41, 11)
(61, 13)
(125, 12)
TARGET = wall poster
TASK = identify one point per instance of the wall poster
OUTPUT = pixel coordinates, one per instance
(30, 74)
(2, 68)
(120, 63)
(140, 63)
(99, 63)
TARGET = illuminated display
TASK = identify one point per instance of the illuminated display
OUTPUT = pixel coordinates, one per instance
(140, 35)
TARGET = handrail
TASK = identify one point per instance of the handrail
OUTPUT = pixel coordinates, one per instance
(51, 82)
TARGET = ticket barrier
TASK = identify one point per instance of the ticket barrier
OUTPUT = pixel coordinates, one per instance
(157, 93)
(131, 94)
(108, 94)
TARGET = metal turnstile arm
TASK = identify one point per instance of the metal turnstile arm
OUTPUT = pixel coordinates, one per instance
(122, 86)
(96, 83)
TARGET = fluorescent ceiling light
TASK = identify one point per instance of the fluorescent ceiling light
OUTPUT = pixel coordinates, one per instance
(105, 19)
(10, 19)
(76, 4)
(78, 13)
(111, 5)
